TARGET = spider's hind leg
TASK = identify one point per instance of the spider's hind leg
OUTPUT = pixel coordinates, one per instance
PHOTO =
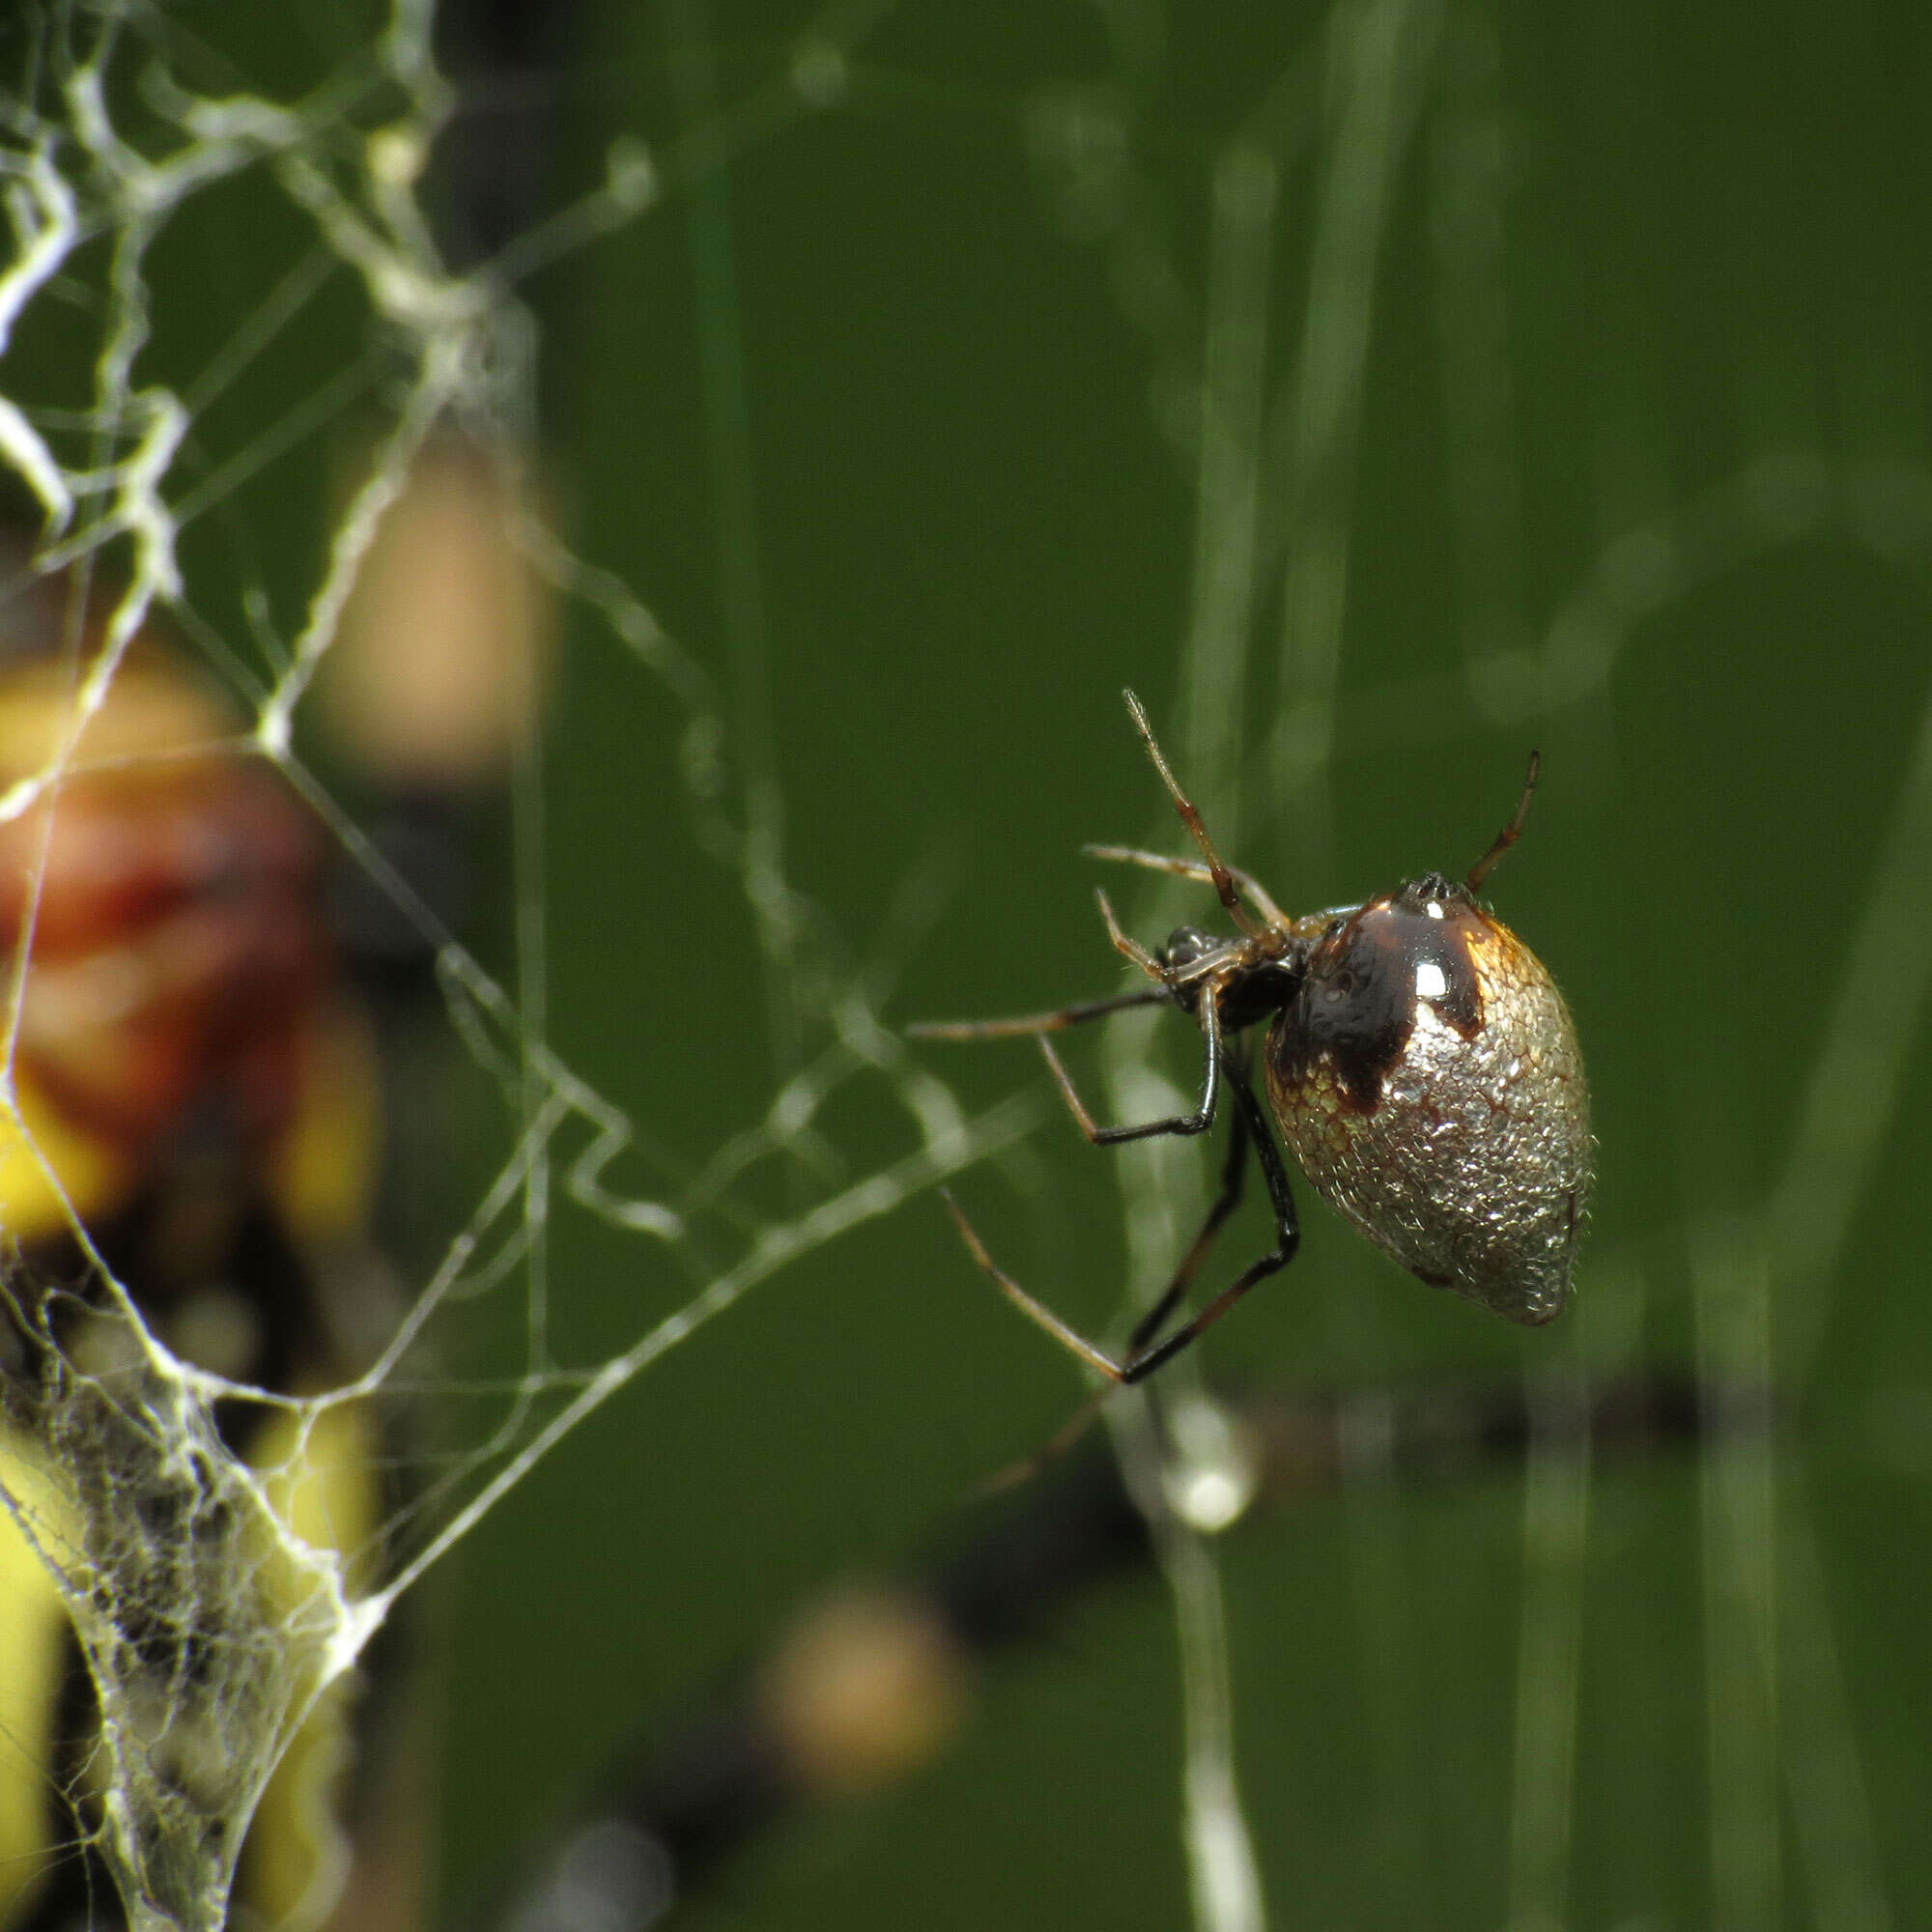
(1287, 1238)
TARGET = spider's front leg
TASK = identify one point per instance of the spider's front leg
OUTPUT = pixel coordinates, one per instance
(1198, 1121)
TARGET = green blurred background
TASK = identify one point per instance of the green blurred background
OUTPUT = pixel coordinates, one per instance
(1379, 389)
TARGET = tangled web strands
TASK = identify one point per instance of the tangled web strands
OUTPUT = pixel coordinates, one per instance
(220, 1594)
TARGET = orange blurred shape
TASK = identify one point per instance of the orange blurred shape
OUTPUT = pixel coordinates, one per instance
(168, 966)
(867, 1685)
(168, 883)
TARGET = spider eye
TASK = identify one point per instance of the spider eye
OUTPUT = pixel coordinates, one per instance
(1187, 945)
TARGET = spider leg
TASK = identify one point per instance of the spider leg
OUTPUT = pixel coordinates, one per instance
(1034, 1311)
(1233, 1172)
(1196, 1123)
(1288, 1238)
(1036, 1023)
(1142, 1361)
(1190, 816)
(1126, 947)
(1510, 833)
(1190, 868)
(1056, 1445)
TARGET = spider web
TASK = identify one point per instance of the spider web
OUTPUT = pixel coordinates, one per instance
(146, 1519)
(1365, 172)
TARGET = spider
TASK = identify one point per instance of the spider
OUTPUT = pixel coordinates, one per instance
(1419, 1061)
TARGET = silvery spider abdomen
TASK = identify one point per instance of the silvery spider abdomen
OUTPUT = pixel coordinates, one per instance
(1427, 1078)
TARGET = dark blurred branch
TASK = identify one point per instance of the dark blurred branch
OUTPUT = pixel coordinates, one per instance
(867, 1685)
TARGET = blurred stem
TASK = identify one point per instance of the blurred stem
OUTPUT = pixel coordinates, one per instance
(1223, 1875)
(721, 348)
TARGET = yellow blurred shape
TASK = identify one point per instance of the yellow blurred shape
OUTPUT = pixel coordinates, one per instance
(93, 1174)
(320, 1484)
(322, 1173)
(33, 1660)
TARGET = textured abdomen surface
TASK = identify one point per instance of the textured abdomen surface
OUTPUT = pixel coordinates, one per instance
(1428, 1081)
